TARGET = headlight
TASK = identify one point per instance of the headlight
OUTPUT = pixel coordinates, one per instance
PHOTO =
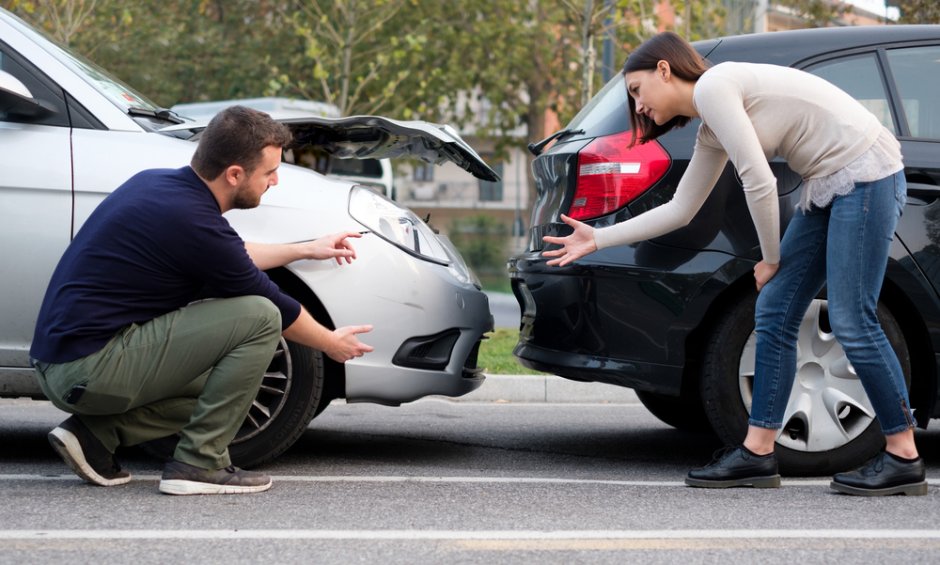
(399, 226)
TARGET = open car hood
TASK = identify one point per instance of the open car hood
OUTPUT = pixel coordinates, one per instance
(376, 137)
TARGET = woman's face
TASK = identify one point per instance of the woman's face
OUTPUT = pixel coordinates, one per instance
(653, 93)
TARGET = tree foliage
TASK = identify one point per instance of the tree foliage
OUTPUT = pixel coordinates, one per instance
(492, 65)
(918, 11)
(818, 13)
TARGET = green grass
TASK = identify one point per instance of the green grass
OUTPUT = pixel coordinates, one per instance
(496, 283)
(496, 354)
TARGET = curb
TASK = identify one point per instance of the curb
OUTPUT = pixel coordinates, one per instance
(547, 388)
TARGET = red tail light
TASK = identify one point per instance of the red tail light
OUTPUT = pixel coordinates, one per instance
(611, 174)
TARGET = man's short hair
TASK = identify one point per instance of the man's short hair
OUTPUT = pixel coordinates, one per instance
(237, 136)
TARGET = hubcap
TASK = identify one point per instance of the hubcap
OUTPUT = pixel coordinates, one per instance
(828, 407)
(275, 387)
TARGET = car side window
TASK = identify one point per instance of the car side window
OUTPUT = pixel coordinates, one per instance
(40, 86)
(916, 72)
(860, 77)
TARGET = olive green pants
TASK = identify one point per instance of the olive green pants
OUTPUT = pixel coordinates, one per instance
(195, 371)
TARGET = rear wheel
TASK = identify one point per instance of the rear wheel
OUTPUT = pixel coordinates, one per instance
(829, 424)
(289, 395)
(681, 412)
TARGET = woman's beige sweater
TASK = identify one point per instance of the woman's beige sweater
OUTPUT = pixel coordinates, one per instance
(750, 114)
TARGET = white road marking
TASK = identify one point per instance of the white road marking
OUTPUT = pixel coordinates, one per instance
(408, 535)
(435, 479)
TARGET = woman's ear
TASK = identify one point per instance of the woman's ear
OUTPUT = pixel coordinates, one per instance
(663, 70)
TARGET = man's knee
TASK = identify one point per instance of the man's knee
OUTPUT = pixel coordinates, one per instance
(260, 308)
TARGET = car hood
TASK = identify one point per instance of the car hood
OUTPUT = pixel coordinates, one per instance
(377, 138)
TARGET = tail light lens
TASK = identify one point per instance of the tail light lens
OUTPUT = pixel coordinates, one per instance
(611, 174)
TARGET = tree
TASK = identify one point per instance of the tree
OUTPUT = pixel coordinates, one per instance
(818, 13)
(918, 11)
(366, 57)
(174, 50)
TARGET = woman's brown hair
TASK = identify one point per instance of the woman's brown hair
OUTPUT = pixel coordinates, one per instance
(684, 62)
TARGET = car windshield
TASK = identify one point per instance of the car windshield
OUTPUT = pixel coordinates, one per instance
(119, 93)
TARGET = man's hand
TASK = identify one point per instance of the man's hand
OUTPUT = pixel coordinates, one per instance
(345, 344)
(574, 246)
(341, 344)
(333, 246)
(763, 272)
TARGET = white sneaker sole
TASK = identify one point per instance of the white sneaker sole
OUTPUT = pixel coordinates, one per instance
(182, 487)
(69, 449)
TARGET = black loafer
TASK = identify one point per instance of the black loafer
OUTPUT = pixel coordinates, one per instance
(737, 467)
(884, 475)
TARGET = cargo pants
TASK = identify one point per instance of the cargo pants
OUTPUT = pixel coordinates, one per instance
(195, 371)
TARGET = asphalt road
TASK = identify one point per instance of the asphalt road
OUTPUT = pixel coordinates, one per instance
(505, 309)
(438, 481)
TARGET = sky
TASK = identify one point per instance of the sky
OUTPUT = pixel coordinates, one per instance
(876, 7)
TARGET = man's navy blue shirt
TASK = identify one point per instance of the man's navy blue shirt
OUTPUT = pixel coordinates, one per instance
(152, 246)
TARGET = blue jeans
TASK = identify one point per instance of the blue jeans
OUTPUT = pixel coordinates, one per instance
(844, 246)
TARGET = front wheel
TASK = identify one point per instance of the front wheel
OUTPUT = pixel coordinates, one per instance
(286, 402)
(829, 424)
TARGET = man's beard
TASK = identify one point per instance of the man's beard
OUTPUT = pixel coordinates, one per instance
(245, 200)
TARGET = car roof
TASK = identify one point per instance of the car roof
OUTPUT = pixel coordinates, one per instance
(792, 46)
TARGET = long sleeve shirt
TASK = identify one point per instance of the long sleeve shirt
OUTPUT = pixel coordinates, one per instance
(750, 114)
(154, 245)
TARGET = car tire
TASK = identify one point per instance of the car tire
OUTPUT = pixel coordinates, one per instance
(830, 403)
(681, 412)
(290, 394)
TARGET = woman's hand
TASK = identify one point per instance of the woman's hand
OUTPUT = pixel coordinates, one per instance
(763, 272)
(574, 246)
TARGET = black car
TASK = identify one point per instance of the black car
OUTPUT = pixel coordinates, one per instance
(673, 317)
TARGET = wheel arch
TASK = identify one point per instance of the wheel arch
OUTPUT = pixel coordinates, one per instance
(923, 391)
(698, 337)
(290, 283)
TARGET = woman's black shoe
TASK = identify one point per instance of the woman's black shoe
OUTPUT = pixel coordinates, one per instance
(884, 475)
(736, 467)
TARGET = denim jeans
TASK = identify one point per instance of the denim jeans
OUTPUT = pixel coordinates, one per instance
(844, 246)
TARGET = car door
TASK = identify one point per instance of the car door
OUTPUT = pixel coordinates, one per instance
(915, 72)
(901, 85)
(35, 202)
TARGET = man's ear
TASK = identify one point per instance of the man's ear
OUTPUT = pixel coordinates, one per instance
(234, 174)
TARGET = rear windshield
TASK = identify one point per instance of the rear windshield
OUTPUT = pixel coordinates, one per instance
(607, 112)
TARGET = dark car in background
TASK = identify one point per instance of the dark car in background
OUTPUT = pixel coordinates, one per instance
(673, 317)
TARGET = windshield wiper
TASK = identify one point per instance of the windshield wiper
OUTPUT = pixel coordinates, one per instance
(164, 114)
(536, 148)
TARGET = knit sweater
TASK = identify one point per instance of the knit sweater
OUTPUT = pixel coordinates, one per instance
(752, 113)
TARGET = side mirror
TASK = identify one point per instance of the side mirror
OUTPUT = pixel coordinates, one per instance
(17, 101)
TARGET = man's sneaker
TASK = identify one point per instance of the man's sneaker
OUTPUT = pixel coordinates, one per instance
(737, 467)
(182, 478)
(86, 455)
(884, 475)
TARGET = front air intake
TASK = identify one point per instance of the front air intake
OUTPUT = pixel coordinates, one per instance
(427, 352)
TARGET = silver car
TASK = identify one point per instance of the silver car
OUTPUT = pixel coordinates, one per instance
(69, 134)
